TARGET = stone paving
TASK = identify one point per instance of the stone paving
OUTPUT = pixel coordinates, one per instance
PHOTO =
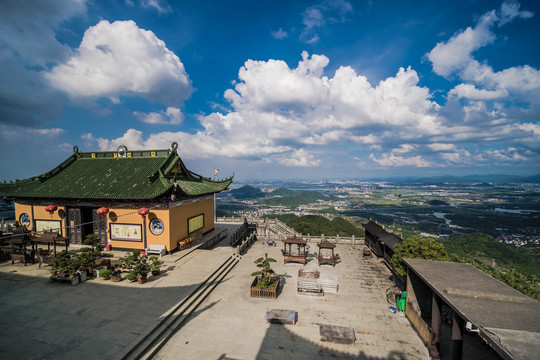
(99, 319)
(96, 319)
(232, 325)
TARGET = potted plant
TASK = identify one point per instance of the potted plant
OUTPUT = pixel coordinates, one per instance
(92, 240)
(141, 270)
(116, 275)
(265, 285)
(156, 265)
(62, 260)
(131, 276)
(86, 261)
(130, 260)
(72, 273)
(105, 274)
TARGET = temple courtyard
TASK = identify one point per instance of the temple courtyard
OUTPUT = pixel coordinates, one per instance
(100, 319)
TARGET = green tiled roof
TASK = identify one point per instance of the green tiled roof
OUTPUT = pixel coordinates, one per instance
(100, 175)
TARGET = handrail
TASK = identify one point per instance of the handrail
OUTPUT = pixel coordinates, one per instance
(279, 230)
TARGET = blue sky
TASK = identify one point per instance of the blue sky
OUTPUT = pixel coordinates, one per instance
(273, 90)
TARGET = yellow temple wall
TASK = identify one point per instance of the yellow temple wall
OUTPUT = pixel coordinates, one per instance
(179, 219)
(175, 222)
(43, 217)
(117, 218)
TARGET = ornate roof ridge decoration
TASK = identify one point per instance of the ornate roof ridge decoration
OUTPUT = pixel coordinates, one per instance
(117, 175)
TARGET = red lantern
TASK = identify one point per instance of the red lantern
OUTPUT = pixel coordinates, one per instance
(103, 211)
(51, 208)
(143, 212)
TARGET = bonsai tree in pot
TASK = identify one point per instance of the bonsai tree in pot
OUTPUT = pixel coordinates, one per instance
(265, 276)
(92, 240)
(106, 274)
(86, 261)
(156, 265)
(116, 275)
(141, 270)
(62, 261)
(130, 259)
(131, 276)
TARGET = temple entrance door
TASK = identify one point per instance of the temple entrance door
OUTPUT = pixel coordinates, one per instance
(100, 227)
(84, 221)
(74, 221)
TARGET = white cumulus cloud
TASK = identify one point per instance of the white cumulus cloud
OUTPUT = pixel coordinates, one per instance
(441, 147)
(120, 59)
(171, 116)
(393, 160)
(321, 15)
(279, 34)
(299, 157)
(455, 57)
(470, 91)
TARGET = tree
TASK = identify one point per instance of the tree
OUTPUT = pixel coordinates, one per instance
(265, 271)
(417, 248)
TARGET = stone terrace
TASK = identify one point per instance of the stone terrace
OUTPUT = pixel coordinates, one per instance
(99, 319)
(234, 325)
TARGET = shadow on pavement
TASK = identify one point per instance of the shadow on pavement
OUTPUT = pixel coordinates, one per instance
(92, 320)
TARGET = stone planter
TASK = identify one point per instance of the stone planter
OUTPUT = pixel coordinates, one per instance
(83, 275)
(72, 281)
(98, 270)
(263, 293)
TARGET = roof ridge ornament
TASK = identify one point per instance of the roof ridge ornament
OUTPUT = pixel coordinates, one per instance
(174, 145)
(122, 151)
(75, 149)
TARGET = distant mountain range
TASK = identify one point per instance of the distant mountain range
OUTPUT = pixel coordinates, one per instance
(247, 192)
(482, 180)
(476, 180)
(280, 196)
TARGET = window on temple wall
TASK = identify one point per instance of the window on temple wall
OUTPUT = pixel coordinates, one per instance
(195, 223)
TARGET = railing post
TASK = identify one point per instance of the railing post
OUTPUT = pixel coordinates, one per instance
(352, 241)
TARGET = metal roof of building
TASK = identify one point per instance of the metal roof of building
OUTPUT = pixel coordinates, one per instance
(373, 228)
(508, 319)
(390, 239)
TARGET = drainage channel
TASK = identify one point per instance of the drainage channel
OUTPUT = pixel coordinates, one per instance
(152, 343)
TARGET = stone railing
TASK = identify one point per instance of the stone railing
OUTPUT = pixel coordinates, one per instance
(277, 231)
(231, 219)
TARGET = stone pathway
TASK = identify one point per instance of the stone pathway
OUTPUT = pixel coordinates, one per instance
(100, 319)
(96, 319)
(232, 325)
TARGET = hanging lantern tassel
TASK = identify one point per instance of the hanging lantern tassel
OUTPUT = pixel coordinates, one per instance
(103, 211)
(51, 209)
(143, 212)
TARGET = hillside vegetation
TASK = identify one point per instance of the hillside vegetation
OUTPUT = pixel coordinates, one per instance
(488, 250)
(317, 225)
(246, 192)
(293, 198)
(516, 267)
(479, 250)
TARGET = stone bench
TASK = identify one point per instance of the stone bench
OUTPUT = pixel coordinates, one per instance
(280, 316)
(156, 249)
